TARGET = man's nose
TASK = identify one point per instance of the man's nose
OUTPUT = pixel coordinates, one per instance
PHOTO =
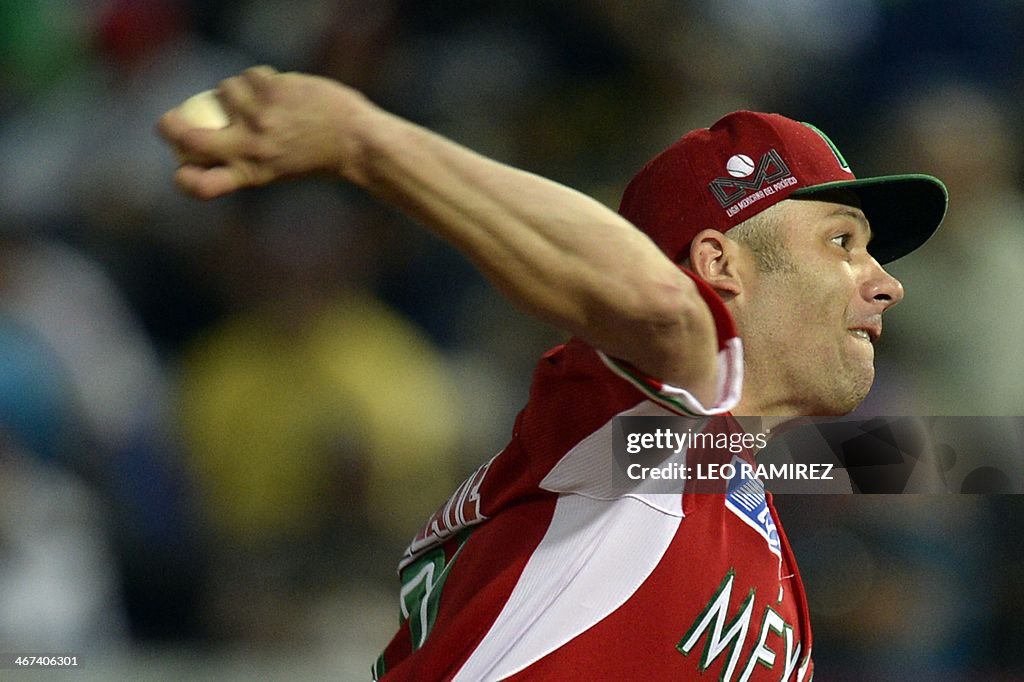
(881, 288)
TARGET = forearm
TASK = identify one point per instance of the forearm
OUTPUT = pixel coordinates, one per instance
(555, 252)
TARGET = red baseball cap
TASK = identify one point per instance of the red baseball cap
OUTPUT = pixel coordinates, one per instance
(718, 177)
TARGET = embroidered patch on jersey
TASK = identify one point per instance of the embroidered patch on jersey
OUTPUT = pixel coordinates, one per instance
(745, 497)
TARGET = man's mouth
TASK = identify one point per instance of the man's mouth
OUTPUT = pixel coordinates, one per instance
(867, 333)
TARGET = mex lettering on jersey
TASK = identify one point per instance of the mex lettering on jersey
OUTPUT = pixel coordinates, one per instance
(723, 635)
(460, 511)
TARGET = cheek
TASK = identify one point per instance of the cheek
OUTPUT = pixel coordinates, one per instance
(814, 304)
(814, 318)
(800, 312)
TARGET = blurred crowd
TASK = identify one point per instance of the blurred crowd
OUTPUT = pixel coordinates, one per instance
(221, 422)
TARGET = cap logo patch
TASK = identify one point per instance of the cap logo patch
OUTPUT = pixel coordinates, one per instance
(735, 193)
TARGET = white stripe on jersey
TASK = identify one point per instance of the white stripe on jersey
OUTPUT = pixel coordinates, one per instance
(588, 468)
(594, 556)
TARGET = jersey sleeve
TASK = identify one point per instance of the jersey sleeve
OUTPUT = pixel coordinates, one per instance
(730, 366)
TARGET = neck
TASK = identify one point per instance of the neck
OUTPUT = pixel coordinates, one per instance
(763, 416)
(767, 413)
(760, 424)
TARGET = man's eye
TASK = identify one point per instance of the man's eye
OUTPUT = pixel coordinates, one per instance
(842, 240)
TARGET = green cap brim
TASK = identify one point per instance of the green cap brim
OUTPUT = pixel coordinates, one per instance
(904, 210)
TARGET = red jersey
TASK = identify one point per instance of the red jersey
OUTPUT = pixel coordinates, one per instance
(539, 567)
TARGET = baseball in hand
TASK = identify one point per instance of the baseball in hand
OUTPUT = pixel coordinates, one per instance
(202, 110)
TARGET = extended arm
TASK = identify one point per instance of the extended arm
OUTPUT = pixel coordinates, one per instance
(556, 253)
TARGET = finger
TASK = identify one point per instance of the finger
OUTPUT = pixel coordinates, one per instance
(208, 183)
(192, 143)
(171, 127)
(238, 97)
(241, 94)
(200, 146)
(259, 77)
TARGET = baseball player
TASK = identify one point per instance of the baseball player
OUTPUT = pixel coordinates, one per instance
(749, 288)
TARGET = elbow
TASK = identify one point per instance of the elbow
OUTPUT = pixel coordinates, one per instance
(656, 315)
(670, 308)
(670, 335)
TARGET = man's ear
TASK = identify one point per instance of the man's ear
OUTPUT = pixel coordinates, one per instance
(716, 259)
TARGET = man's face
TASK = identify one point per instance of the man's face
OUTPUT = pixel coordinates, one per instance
(809, 327)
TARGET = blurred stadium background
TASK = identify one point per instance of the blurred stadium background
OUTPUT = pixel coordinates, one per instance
(222, 422)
